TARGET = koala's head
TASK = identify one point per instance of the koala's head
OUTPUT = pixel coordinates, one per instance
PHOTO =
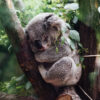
(43, 31)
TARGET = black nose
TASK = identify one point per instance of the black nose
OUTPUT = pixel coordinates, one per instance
(38, 44)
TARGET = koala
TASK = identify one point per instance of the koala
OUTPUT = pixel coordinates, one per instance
(57, 68)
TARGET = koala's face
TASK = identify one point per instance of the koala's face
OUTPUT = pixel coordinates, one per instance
(43, 31)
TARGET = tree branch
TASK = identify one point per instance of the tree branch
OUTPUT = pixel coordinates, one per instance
(4, 96)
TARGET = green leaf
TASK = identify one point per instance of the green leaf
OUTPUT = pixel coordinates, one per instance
(80, 45)
(19, 87)
(10, 48)
(63, 30)
(28, 85)
(63, 40)
(83, 66)
(74, 35)
(75, 19)
(78, 65)
(81, 59)
(57, 49)
(71, 43)
(67, 25)
(71, 6)
(20, 78)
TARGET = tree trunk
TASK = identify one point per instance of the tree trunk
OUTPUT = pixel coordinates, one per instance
(88, 39)
(86, 26)
(4, 96)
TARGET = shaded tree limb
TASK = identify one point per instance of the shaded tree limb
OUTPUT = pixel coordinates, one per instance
(4, 96)
(88, 39)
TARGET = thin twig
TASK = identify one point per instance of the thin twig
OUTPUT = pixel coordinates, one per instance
(84, 92)
(86, 56)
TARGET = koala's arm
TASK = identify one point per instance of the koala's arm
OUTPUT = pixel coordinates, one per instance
(64, 72)
(51, 55)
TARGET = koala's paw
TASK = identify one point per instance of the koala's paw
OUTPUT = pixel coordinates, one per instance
(41, 68)
(42, 71)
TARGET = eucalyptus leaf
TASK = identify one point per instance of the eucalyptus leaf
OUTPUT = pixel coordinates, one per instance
(81, 59)
(71, 43)
(10, 48)
(80, 45)
(99, 9)
(59, 5)
(28, 85)
(63, 40)
(75, 19)
(20, 78)
(67, 25)
(57, 50)
(53, 8)
(83, 66)
(71, 6)
(74, 35)
(63, 30)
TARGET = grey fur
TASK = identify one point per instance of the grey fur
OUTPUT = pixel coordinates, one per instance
(64, 70)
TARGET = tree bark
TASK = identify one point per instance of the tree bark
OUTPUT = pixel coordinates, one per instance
(88, 39)
(87, 28)
(24, 56)
(4, 96)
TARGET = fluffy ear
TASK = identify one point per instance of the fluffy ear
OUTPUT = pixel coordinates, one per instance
(46, 22)
(56, 25)
(54, 21)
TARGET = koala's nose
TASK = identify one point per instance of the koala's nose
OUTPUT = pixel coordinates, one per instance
(38, 44)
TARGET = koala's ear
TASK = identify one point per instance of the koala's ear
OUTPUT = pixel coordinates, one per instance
(47, 17)
(55, 22)
(46, 24)
(52, 21)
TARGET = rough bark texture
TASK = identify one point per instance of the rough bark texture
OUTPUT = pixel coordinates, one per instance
(86, 27)
(97, 82)
(4, 96)
(88, 39)
(69, 93)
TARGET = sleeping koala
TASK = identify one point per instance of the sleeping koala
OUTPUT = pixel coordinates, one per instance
(58, 68)
(42, 31)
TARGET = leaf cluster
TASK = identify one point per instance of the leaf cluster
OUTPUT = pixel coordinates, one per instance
(17, 85)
